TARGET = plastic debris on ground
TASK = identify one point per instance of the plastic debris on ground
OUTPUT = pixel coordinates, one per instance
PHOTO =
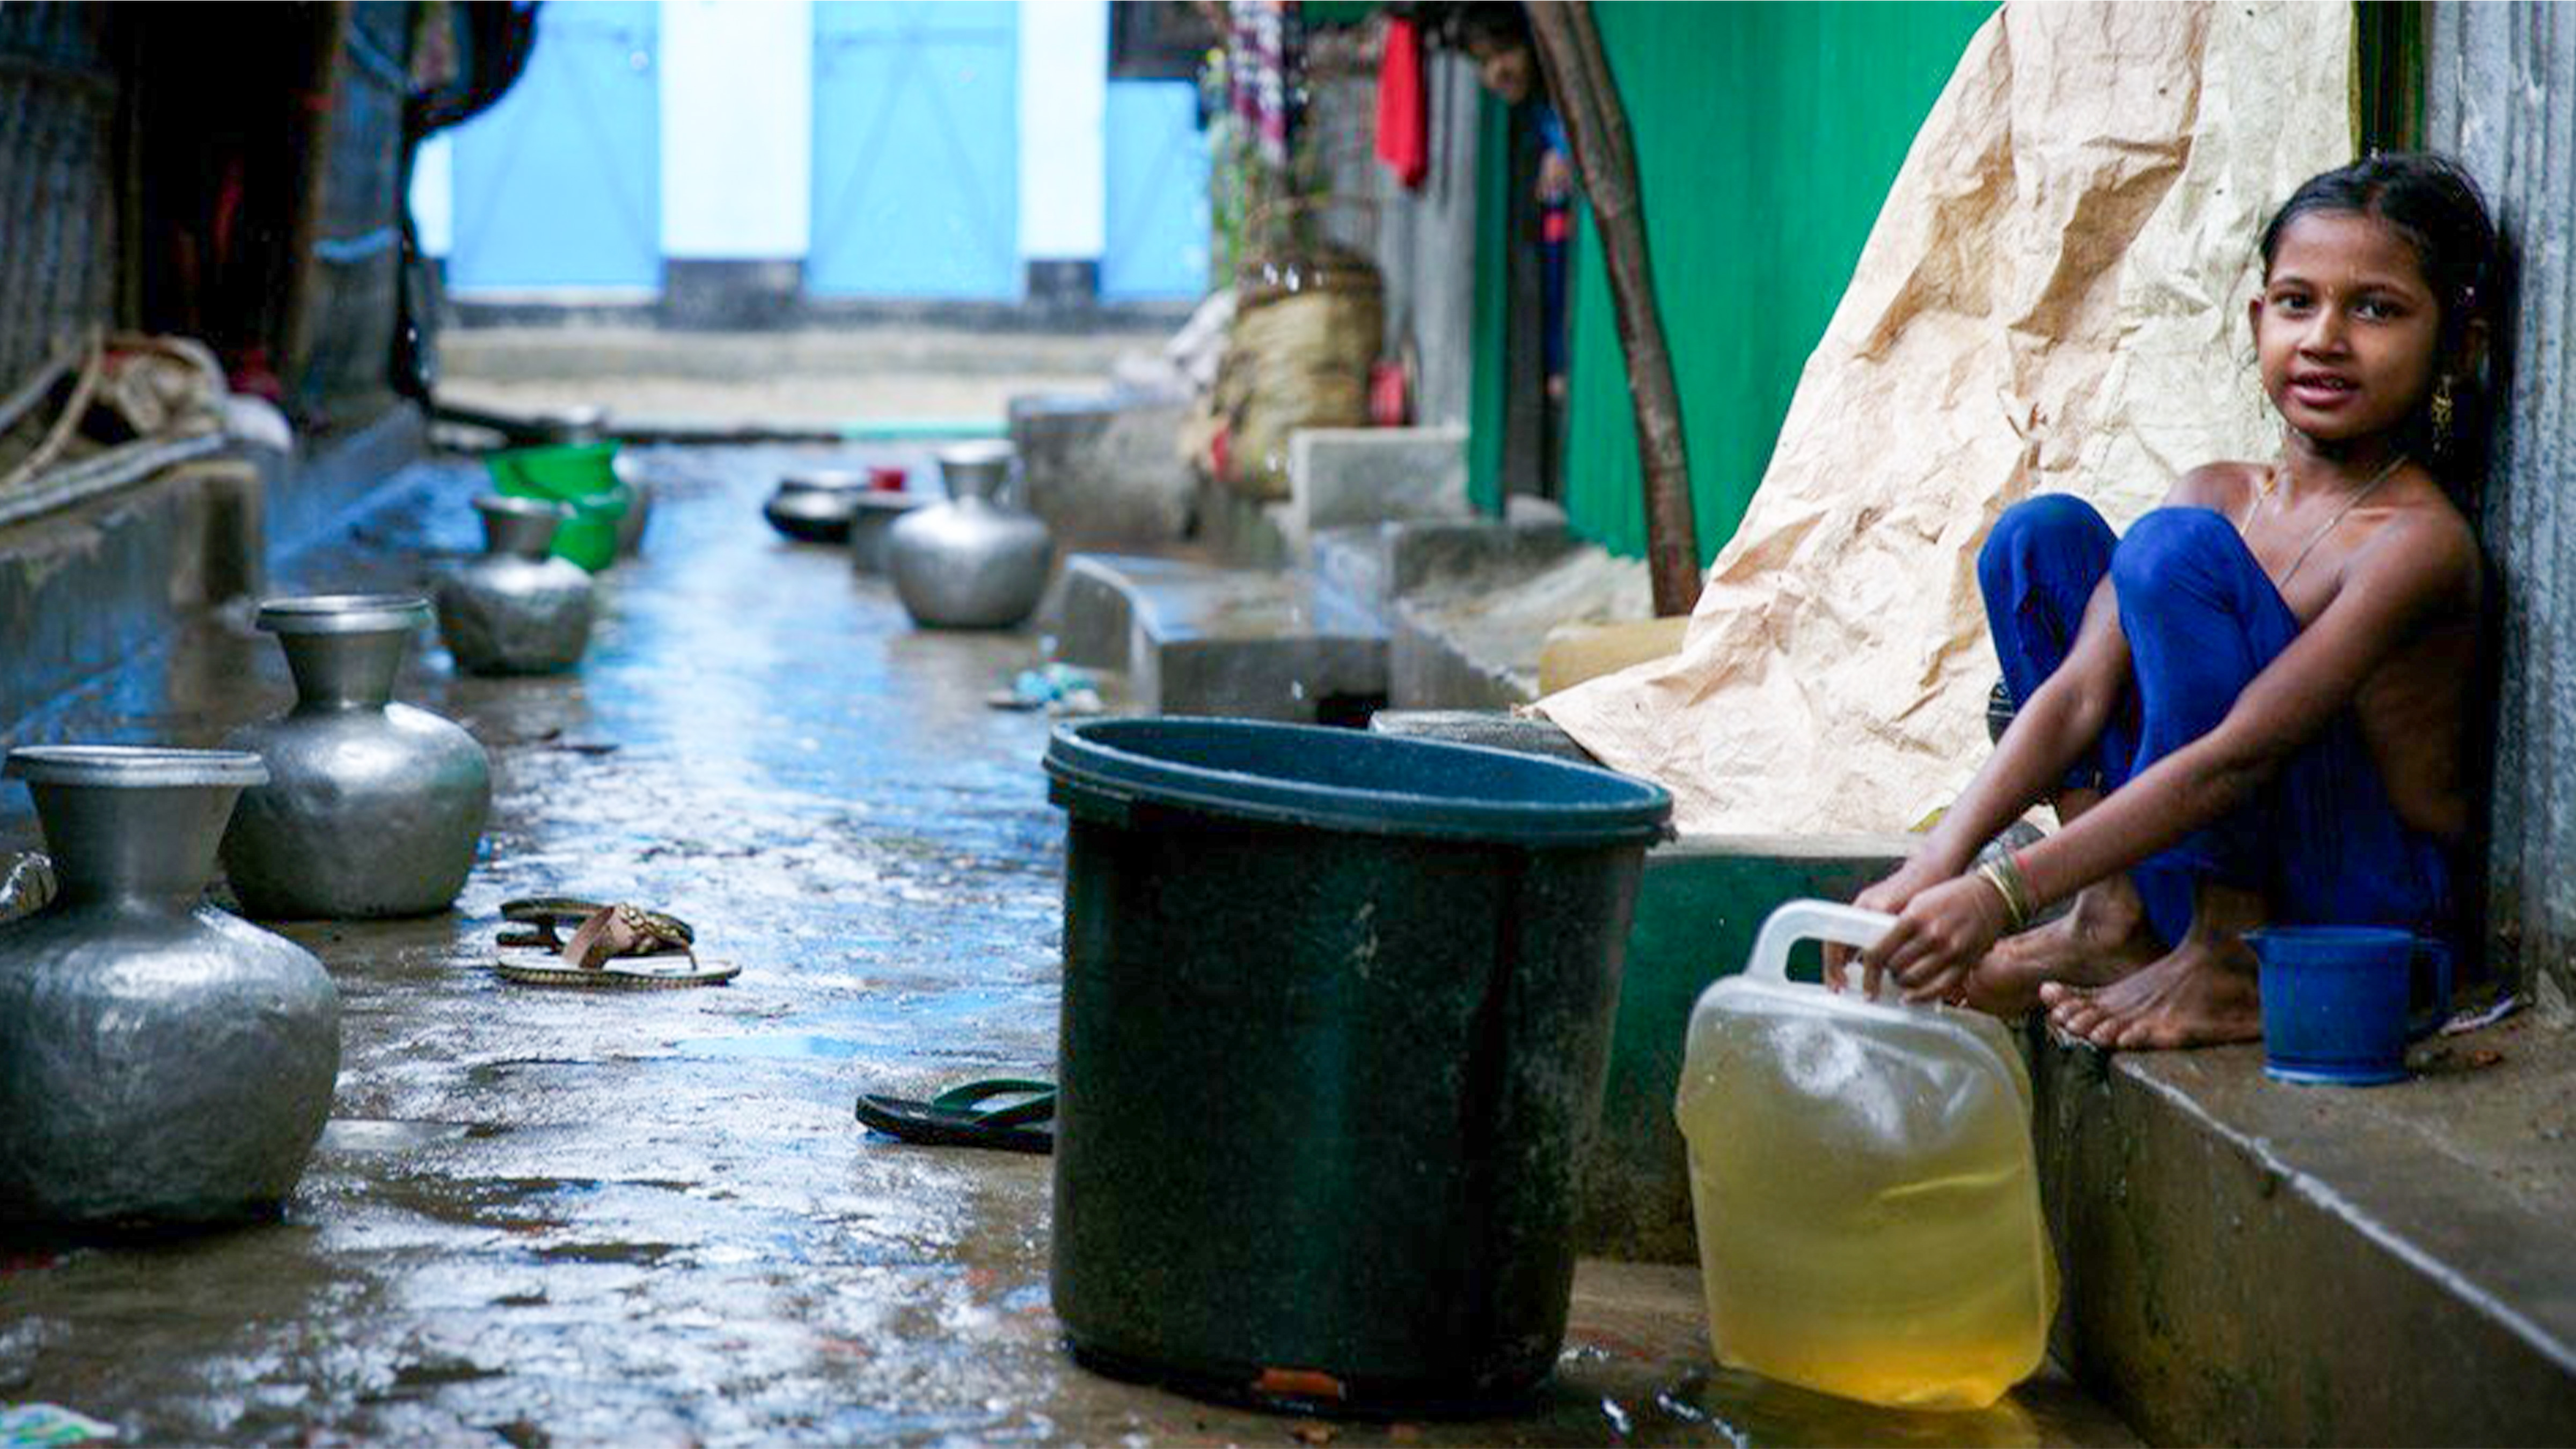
(1059, 689)
(29, 1424)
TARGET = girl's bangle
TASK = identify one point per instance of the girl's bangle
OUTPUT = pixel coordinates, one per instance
(2004, 874)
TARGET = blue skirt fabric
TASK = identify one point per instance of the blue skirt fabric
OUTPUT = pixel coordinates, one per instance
(2321, 842)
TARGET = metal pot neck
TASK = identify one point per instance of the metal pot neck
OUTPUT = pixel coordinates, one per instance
(343, 650)
(976, 470)
(130, 827)
(338, 672)
(518, 527)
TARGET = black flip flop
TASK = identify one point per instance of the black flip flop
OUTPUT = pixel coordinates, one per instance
(957, 1118)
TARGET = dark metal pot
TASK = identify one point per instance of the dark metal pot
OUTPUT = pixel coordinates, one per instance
(371, 808)
(161, 1062)
(814, 505)
(516, 609)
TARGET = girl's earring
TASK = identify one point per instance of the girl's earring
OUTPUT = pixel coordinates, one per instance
(2440, 413)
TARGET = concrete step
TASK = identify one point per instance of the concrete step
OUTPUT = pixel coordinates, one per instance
(2253, 1262)
(1200, 639)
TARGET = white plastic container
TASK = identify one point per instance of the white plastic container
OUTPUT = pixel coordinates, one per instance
(1863, 1182)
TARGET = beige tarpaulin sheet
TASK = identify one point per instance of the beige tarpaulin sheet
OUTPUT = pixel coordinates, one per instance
(2053, 299)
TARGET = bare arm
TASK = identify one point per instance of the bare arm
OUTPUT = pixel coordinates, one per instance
(2062, 719)
(2411, 570)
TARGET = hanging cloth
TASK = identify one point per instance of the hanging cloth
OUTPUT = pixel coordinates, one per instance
(1403, 124)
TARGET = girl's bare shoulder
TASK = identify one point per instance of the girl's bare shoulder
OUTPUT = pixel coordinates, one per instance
(2224, 486)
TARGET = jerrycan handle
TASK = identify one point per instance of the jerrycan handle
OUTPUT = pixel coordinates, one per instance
(1811, 920)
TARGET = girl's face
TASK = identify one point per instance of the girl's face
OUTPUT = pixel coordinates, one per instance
(2346, 328)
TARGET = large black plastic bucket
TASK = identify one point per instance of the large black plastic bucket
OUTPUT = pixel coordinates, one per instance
(1336, 1009)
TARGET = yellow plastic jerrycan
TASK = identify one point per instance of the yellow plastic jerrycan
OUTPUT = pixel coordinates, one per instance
(1863, 1183)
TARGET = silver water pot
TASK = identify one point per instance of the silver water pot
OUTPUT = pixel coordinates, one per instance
(161, 1062)
(971, 562)
(371, 808)
(516, 609)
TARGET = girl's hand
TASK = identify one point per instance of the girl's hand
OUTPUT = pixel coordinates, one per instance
(1938, 939)
(1888, 897)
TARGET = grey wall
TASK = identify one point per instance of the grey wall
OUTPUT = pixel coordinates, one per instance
(1424, 241)
(2501, 96)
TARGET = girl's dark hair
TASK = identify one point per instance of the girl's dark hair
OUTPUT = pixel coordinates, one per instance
(1489, 23)
(2434, 205)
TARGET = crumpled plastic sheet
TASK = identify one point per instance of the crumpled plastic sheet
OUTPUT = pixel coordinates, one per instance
(2053, 299)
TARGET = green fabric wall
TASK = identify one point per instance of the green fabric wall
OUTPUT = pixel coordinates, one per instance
(1766, 137)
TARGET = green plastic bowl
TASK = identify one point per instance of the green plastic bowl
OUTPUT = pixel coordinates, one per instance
(582, 475)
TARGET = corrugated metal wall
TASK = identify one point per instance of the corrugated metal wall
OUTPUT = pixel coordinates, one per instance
(2501, 96)
(59, 255)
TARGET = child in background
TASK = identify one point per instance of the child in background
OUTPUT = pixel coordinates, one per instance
(2255, 707)
(1497, 37)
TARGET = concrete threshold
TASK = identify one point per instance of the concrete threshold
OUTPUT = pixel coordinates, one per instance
(2249, 1261)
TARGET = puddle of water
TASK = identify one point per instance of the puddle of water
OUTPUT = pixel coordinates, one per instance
(827, 1048)
(366, 1134)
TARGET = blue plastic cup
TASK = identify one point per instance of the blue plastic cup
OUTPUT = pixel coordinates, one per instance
(2336, 1001)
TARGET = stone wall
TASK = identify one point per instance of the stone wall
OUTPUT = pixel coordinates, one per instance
(2501, 96)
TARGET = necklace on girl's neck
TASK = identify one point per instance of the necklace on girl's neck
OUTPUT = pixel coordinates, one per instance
(2386, 471)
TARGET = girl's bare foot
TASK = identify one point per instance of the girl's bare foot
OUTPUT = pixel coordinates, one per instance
(2201, 994)
(2102, 938)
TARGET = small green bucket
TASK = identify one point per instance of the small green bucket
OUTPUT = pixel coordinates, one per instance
(581, 475)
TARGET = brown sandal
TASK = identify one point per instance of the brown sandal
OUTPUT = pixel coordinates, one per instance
(614, 946)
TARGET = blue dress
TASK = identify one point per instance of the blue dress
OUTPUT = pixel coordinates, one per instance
(2321, 842)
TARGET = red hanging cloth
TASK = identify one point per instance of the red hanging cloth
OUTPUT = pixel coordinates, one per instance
(1403, 123)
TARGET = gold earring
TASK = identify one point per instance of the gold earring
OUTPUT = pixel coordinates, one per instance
(2440, 412)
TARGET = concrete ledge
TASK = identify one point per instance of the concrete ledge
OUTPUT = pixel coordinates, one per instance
(2252, 1262)
(1340, 477)
(1493, 729)
(81, 589)
(1104, 471)
(1197, 639)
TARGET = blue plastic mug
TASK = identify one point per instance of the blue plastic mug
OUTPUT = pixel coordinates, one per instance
(2336, 1001)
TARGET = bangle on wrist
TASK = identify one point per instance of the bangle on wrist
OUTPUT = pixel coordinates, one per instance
(2003, 873)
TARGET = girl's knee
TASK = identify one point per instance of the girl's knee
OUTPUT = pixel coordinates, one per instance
(2050, 525)
(2173, 546)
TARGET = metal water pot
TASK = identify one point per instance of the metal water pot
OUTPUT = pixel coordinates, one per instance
(161, 1062)
(639, 504)
(971, 562)
(813, 505)
(516, 609)
(371, 808)
(873, 516)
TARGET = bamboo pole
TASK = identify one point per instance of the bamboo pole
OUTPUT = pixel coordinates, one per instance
(1596, 124)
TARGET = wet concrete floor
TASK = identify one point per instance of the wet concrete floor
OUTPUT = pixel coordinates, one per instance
(545, 1217)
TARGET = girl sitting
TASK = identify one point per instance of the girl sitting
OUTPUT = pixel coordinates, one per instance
(2256, 707)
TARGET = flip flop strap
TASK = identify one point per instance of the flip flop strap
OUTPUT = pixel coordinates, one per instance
(963, 1098)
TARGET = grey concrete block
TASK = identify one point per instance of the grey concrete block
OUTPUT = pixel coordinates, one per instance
(1089, 612)
(1338, 477)
(1495, 729)
(1104, 471)
(1428, 668)
(1199, 639)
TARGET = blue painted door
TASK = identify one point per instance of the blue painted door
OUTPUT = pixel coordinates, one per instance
(560, 185)
(1155, 236)
(916, 149)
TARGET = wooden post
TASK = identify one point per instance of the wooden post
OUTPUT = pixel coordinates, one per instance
(1587, 98)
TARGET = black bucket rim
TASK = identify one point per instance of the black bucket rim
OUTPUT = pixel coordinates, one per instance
(1083, 757)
